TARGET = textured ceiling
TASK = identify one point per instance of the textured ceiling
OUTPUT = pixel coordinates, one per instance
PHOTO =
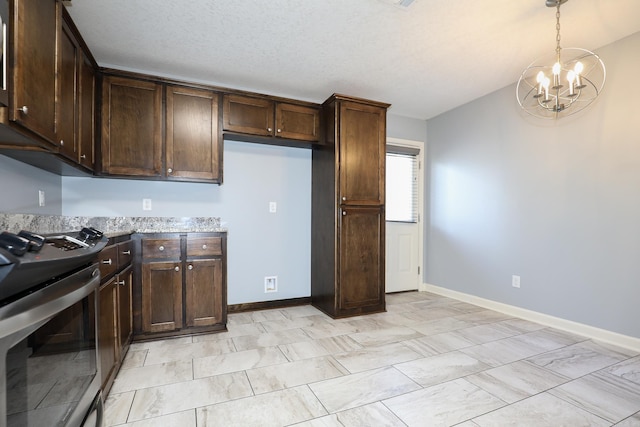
(425, 59)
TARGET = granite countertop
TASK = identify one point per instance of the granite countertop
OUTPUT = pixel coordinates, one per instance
(111, 226)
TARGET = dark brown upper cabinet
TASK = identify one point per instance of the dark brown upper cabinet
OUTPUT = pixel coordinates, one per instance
(362, 132)
(266, 117)
(131, 142)
(33, 76)
(87, 112)
(69, 58)
(192, 139)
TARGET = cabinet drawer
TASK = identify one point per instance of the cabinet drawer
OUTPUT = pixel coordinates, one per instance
(125, 253)
(108, 261)
(161, 248)
(204, 246)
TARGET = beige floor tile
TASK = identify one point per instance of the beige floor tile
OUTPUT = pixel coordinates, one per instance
(303, 350)
(239, 361)
(375, 414)
(516, 381)
(153, 375)
(355, 390)
(441, 368)
(117, 407)
(292, 374)
(156, 401)
(602, 394)
(541, 410)
(189, 351)
(376, 357)
(378, 337)
(270, 339)
(279, 408)
(177, 419)
(443, 405)
(579, 359)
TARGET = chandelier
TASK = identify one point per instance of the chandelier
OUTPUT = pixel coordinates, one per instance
(562, 84)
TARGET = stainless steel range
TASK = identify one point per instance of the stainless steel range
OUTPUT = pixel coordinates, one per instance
(48, 316)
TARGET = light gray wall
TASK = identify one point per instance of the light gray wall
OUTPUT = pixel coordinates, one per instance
(19, 186)
(406, 128)
(259, 243)
(556, 202)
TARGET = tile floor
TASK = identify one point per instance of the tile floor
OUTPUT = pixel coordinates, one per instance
(427, 361)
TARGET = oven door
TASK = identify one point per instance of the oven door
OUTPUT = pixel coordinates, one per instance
(48, 358)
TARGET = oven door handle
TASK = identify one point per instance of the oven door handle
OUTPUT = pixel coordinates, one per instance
(42, 305)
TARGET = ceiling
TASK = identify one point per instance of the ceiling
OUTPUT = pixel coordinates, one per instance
(424, 59)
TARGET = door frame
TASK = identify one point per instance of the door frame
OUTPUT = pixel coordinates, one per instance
(419, 145)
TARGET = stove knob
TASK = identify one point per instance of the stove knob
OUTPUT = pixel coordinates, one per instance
(14, 244)
(36, 241)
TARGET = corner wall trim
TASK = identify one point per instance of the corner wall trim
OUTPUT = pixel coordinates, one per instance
(592, 332)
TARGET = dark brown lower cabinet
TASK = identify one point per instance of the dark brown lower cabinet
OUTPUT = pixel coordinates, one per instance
(107, 338)
(203, 288)
(182, 285)
(162, 296)
(115, 309)
(361, 266)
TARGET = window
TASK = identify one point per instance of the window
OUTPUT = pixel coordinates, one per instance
(402, 184)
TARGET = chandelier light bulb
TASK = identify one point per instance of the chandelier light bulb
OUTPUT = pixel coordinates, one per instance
(556, 75)
(579, 67)
(571, 77)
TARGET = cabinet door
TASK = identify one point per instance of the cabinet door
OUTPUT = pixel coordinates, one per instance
(86, 112)
(107, 335)
(361, 263)
(362, 136)
(297, 122)
(203, 285)
(68, 84)
(131, 127)
(161, 296)
(244, 114)
(33, 75)
(193, 150)
(125, 310)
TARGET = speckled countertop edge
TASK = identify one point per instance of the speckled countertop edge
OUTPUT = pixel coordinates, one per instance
(111, 226)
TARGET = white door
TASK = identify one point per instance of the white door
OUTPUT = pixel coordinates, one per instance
(403, 213)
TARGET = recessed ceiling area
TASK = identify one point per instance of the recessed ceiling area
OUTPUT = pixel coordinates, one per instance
(424, 59)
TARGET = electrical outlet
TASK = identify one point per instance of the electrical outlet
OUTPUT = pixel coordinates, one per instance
(515, 281)
(271, 284)
(273, 207)
(146, 204)
(41, 198)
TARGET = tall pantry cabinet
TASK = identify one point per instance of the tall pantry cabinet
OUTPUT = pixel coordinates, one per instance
(347, 215)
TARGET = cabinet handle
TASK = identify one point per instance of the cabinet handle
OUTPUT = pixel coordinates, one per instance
(122, 283)
(83, 157)
(177, 269)
(107, 261)
(169, 170)
(161, 248)
(126, 252)
(24, 110)
(62, 142)
(344, 213)
(344, 198)
(269, 129)
(204, 246)
(279, 130)
(190, 267)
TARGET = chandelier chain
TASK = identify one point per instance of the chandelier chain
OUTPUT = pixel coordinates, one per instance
(558, 31)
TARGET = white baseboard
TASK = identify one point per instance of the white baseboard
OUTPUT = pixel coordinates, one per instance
(598, 334)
